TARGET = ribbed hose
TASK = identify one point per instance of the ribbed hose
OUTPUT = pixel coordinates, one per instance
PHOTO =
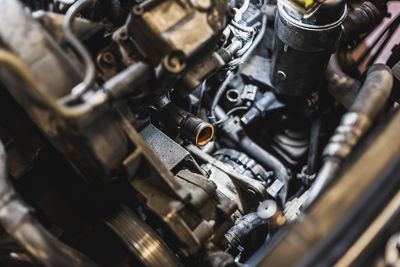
(267, 160)
(355, 123)
(16, 219)
(243, 227)
(236, 133)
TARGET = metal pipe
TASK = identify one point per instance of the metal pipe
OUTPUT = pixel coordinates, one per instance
(88, 80)
(127, 80)
(218, 95)
(17, 220)
(256, 41)
(355, 123)
(16, 65)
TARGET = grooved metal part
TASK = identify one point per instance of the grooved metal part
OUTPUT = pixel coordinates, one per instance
(141, 240)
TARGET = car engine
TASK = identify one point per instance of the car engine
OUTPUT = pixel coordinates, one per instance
(197, 132)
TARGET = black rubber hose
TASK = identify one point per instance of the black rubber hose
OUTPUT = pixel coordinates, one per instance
(237, 134)
(313, 150)
(340, 85)
(267, 160)
(355, 123)
(374, 92)
(242, 228)
(16, 218)
(190, 126)
(361, 20)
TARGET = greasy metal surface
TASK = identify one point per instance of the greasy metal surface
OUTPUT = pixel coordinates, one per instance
(245, 181)
(170, 26)
(141, 240)
(169, 152)
(37, 49)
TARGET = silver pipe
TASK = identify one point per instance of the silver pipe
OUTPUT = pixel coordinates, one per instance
(66, 2)
(88, 80)
(16, 218)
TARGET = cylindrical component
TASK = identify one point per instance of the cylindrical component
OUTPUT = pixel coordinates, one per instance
(375, 91)
(243, 227)
(125, 82)
(190, 126)
(269, 211)
(263, 157)
(232, 98)
(355, 123)
(303, 47)
(259, 108)
(340, 85)
(313, 150)
(361, 20)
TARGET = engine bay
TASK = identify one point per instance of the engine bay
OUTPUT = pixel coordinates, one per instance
(184, 132)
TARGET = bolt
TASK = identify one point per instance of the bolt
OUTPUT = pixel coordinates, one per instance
(175, 62)
(107, 59)
(137, 10)
(281, 76)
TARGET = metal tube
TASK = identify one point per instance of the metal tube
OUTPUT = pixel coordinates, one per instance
(16, 219)
(218, 95)
(127, 80)
(88, 80)
(39, 96)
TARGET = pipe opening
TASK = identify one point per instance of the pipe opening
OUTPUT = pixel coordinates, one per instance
(204, 135)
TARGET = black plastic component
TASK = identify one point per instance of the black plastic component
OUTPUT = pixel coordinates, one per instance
(191, 127)
(260, 107)
(361, 20)
(243, 164)
(303, 47)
